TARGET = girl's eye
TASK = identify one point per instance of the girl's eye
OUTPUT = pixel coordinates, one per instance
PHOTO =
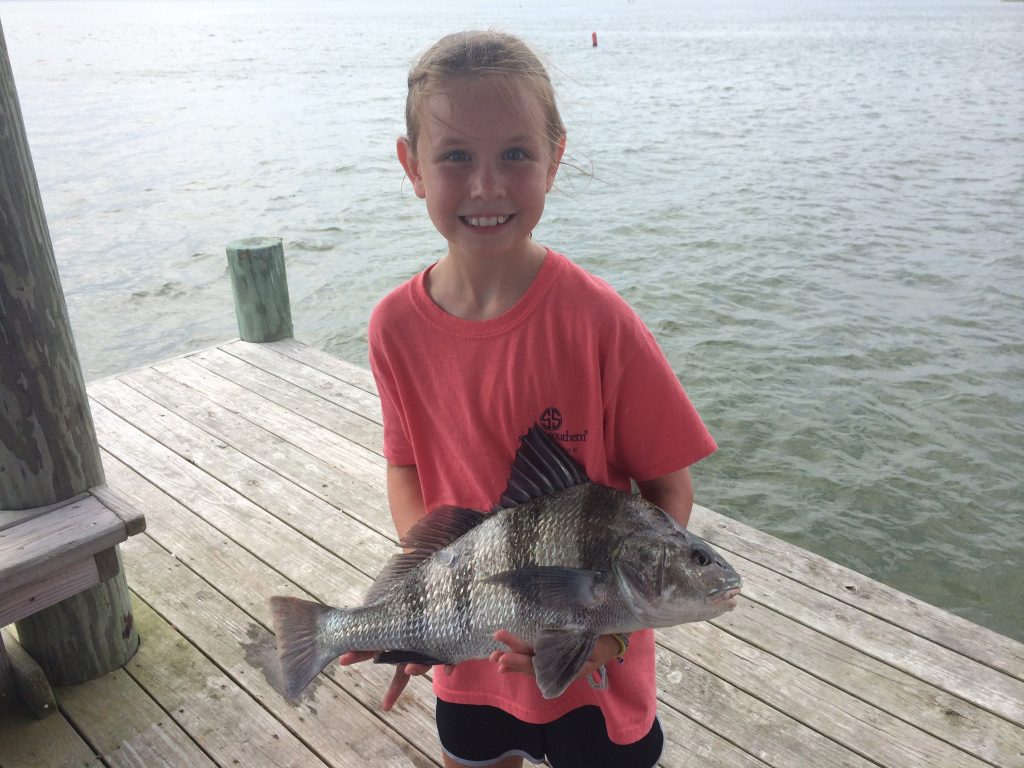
(515, 154)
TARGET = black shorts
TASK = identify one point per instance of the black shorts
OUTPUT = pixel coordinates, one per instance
(481, 736)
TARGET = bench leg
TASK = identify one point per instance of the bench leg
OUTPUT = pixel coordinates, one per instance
(85, 636)
(8, 693)
(29, 681)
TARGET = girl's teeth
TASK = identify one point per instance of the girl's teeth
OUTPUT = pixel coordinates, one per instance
(486, 221)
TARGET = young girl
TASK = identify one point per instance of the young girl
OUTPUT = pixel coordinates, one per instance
(499, 334)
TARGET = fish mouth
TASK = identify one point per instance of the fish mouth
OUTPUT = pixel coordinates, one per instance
(726, 596)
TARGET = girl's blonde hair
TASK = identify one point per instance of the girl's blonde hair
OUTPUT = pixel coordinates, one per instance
(480, 55)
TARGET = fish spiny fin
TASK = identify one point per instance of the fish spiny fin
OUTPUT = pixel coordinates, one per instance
(301, 655)
(541, 467)
(393, 573)
(430, 534)
(559, 655)
(441, 527)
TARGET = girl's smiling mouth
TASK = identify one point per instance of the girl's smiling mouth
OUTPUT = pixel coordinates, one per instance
(485, 221)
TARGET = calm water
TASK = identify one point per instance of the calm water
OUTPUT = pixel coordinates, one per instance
(816, 206)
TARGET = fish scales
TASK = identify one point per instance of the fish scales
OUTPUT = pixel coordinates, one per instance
(557, 568)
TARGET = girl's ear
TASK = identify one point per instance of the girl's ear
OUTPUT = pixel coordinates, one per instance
(553, 170)
(412, 167)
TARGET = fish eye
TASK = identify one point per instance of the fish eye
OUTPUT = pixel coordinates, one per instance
(701, 557)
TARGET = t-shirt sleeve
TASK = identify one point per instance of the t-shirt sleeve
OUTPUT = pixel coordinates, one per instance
(651, 427)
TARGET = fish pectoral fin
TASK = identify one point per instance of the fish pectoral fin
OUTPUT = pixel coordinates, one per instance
(559, 655)
(554, 586)
(406, 657)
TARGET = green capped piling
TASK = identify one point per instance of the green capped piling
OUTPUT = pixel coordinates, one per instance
(260, 288)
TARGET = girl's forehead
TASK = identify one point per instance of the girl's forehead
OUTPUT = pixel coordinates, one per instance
(482, 108)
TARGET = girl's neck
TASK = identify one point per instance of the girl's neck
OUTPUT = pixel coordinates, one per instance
(482, 289)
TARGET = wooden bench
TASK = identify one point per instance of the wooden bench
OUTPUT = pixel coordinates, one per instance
(48, 554)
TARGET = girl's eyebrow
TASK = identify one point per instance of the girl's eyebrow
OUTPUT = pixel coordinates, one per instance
(460, 139)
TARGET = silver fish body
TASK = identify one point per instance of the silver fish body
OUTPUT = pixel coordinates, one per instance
(563, 562)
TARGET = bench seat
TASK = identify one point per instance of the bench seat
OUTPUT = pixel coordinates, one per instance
(51, 553)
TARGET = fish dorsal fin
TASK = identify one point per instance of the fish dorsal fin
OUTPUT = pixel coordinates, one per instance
(430, 534)
(441, 527)
(541, 467)
(393, 572)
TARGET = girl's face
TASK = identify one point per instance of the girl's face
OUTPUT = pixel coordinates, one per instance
(484, 165)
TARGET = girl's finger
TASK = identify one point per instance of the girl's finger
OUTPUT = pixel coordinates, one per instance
(354, 657)
(516, 662)
(398, 683)
(515, 644)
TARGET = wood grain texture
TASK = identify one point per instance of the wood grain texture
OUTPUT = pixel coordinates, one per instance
(33, 688)
(259, 471)
(48, 449)
(260, 287)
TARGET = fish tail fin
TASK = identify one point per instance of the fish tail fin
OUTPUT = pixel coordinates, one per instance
(300, 650)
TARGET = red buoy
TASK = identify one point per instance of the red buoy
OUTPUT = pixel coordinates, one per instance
(593, 38)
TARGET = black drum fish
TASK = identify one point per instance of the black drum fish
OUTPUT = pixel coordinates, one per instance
(559, 563)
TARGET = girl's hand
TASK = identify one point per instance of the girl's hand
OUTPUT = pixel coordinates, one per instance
(519, 656)
(403, 673)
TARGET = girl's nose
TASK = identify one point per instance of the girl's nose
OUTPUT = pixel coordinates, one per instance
(487, 182)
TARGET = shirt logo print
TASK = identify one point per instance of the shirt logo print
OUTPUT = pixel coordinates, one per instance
(551, 419)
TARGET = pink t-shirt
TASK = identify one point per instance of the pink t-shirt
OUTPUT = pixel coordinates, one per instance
(456, 396)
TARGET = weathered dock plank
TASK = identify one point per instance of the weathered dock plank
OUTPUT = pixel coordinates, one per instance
(335, 485)
(29, 743)
(126, 726)
(944, 716)
(347, 419)
(302, 431)
(259, 469)
(688, 744)
(353, 397)
(233, 673)
(247, 568)
(943, 628)
(855, 724)
(343, 370)
(963, 677)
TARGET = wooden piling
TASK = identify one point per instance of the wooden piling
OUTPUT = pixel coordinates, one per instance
(48, 449)
(260, 289)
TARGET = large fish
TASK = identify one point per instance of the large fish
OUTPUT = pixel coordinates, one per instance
(561, 562)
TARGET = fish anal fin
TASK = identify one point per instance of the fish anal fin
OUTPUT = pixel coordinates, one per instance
(555, 587)
(406, 657)
(559, 655)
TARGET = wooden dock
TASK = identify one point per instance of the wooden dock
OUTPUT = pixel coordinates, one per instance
(259, 470)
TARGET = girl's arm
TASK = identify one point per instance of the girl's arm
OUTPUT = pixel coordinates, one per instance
(405, 497)
(672, 492)
(406, 501)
